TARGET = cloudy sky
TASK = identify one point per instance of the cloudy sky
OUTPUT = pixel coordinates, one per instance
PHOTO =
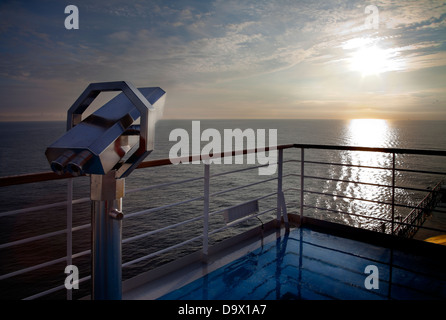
(230, 59)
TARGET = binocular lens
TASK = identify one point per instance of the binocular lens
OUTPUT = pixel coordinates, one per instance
(71, 162)
(75, 166)
(58, 165)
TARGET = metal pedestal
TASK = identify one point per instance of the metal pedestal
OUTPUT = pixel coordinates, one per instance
(106, 225)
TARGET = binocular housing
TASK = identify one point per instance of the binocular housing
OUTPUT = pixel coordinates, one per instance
(108, 139)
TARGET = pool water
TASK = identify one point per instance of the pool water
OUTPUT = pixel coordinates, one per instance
(306, 264)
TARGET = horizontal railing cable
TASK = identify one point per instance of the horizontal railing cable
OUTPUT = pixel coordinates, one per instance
(360, 182)
(151, 210)
(162, 185)
(346, 165)
(360, 199)
(42, 265)
(347, 197)
(43, 207)
(149, 233)
(349, 181)
(41, 237)
(348, 213)
(422, 171)
(238, 170)
(61, 287)
(241, 187)
(35, 267)
(151, 255)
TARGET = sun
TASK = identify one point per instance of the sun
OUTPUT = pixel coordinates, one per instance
(371, 61)
(367, 57)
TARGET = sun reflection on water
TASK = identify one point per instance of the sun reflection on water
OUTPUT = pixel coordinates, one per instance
(366, 133)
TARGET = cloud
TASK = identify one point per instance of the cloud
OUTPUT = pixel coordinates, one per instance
(256, 52)
(231, 38)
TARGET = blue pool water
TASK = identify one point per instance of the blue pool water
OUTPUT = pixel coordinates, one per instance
(305, 264)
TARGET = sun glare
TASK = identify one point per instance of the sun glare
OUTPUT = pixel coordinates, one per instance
(368, 58)
(369, 61)
(368, 132)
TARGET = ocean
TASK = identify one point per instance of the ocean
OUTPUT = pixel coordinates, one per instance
(23, 144)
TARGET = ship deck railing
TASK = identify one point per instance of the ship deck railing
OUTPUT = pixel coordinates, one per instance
(296, 195)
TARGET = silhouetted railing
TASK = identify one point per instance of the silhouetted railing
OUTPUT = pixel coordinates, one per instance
(294, 188)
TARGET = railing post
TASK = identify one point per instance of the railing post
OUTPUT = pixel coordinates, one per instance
(206, 210)
(393, 193)
(281, 205)
(69, 229)
(302, 160)
(279, 184)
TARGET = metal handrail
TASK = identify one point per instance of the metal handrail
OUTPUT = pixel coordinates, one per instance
(47, 176)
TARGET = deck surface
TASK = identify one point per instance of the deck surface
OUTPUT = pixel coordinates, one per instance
(305, 264)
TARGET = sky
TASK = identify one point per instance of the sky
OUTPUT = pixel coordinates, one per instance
(228, 59)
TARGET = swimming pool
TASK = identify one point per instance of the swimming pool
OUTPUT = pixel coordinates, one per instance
(307, 264)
